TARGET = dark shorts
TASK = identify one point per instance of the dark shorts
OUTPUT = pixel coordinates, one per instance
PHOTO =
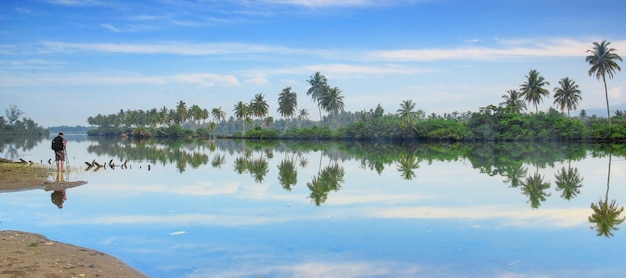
(59, 155)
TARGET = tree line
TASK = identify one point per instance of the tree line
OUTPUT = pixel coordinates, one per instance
(509, 120)
(16, 124)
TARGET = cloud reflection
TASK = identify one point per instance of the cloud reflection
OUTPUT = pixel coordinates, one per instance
(511, 217)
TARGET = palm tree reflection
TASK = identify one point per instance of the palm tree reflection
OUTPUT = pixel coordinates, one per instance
(606, 215)
(329, 178)
(534, 187)
(287, 173)
(569, 182)
(406, 164)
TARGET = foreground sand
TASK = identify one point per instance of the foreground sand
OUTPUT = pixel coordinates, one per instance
(32, 255)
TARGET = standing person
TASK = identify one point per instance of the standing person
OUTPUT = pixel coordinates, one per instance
(58, 145)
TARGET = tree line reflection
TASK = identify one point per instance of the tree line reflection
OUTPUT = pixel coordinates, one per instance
(518, 164)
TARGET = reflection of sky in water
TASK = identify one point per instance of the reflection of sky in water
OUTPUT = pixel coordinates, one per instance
(450, 220)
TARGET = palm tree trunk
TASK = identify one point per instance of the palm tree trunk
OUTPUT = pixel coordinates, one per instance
(606, 94)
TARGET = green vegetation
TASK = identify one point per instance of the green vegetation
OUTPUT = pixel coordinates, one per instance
(509, 121)
(15, 124)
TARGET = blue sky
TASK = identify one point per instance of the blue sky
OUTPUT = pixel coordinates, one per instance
(62, 61)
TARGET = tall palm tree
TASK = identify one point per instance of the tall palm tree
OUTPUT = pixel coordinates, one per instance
(332, 102)
(287, 103)
(259, 107)
(242, 112)
(319, 87)
(181, 112)
(218, 115)
(603, 62)
(533, 89)
(513, 102)
(567, 95)
(407, 116)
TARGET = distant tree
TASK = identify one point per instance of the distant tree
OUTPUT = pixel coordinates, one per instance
(533, 90)
(218, 115)
(258, 106)
(319, 87)
(603, 62)
(332, 102)
(242, 112)
(195, 112)
(567, 95)
(302, 115)
(513, 102)
(287, 104)
(181, 112)
(407, 116)
(13, 114)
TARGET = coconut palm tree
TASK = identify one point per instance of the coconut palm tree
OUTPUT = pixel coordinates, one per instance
(259, 107)
(332, 102)
(407, 116)
(242, 112)
(181, 112)
(533, 89)
(302, 115)
(513, 102)
(218, 115)
(319, 87)
(287, 103)
(567, 95)
(603, 62)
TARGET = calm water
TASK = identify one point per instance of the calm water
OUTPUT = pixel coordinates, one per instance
(250, 209)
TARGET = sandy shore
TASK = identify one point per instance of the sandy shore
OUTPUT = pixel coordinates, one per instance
(31, 255)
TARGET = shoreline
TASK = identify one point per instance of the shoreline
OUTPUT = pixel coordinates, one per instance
(24, 254)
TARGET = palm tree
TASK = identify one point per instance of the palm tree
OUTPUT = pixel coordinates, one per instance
(259, 107)
(567, 95)
(242, 112)
(407, 116)
(218, 115)
(513, 102)
(302, 115)
(319, 87)
(181, 112)
(195, 112)
(332, 102)
(603, 62)
(533, 89)
(287, 103)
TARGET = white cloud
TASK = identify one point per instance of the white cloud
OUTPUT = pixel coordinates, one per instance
(198, 79)
(110, 27)
(546, 217)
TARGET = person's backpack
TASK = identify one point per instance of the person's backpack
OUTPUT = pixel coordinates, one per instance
(57, 143)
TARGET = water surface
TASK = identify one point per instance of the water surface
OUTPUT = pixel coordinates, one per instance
(284, 209)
